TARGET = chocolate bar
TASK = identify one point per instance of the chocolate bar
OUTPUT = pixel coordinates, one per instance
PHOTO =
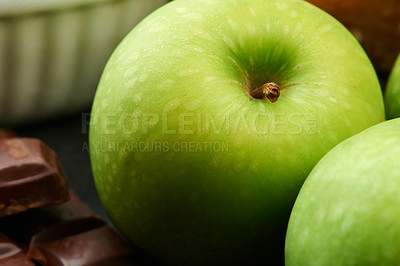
(37, 234)
(11, 254)
(67, 234)
(30, 175)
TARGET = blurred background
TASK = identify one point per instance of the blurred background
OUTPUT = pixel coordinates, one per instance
(52, 54)
(375, 24)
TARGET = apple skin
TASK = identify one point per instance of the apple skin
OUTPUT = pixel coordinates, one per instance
(347, 212)
(392, 93)
(192, 59)
(375, 23)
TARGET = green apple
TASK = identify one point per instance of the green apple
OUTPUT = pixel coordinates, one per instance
(209, 116)
(347, 212)
(392, 93)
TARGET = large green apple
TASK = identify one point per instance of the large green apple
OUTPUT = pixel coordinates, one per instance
(196, 157)
(347, 212)
(392, 93)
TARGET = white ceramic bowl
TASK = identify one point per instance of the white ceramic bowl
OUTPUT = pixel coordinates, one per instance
(52, 53)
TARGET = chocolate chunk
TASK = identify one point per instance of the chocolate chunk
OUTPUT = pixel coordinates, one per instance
(90, 242)
(69, 234)
(11, 254)
(30, 175)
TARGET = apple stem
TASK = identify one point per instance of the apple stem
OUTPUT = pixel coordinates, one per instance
(270, 91)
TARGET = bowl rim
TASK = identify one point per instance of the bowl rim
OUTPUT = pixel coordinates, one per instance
(12, 8)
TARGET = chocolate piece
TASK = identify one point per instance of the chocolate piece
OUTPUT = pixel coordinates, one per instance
(7, 133)
(90, 242)
(68, 234)
(11, 254)
(30, 176)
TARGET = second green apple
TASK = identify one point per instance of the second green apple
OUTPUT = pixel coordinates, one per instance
(392, 94)
(347, 212)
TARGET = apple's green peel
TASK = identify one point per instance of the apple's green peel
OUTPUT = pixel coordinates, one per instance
(198, 69)
(347, 210)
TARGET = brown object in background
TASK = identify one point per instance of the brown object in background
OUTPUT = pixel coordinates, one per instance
(30, 175)
(375, 23)
(7, 133)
